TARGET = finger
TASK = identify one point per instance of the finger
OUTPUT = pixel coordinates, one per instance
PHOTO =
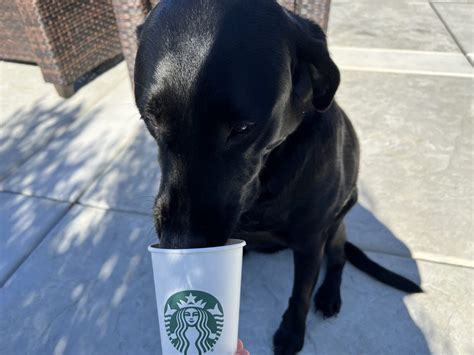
(240, 345)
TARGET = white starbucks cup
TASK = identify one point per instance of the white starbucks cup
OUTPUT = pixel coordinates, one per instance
(198, 298)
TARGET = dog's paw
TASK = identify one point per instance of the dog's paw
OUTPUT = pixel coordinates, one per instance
(328, 300)
(288, 341)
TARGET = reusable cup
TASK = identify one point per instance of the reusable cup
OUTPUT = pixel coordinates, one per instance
(198, 298)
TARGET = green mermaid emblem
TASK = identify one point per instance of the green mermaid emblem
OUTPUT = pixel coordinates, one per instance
(193, 321)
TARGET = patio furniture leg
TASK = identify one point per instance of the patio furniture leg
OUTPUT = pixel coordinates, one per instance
(65, 91)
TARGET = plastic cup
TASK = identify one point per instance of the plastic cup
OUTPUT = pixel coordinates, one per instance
(198, 298)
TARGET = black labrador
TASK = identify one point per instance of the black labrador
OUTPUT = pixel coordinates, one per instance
(238, 95)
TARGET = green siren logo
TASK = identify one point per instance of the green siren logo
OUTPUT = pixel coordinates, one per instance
(193, 321)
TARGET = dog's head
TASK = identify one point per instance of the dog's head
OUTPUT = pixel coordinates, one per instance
(220, 84)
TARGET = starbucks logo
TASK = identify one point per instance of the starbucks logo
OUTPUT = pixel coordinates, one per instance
(193, 321)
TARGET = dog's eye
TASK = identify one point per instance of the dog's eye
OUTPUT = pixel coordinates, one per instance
(243, 127)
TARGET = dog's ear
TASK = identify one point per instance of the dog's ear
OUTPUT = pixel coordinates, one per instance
(323, 72)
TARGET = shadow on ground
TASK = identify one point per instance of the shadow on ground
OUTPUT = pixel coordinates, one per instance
(52, 150)
(132, 181)
(88, 288)
(36, 152)
(26, 131)
(63, 166)
(373, 318)
(85, 287)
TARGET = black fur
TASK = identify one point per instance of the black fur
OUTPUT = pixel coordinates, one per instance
(207, 69)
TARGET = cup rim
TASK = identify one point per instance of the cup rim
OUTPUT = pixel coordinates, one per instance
(230, 245)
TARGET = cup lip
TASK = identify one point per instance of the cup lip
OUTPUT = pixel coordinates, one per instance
(230, 245)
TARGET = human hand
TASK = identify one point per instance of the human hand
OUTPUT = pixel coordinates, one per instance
(240, 349)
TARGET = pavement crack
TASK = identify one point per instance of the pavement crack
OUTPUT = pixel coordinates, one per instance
(453, 37)
(55, 317)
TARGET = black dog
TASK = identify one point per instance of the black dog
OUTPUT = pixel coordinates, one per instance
(239, 97)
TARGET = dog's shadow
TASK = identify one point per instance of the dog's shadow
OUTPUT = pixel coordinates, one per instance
(373, 318)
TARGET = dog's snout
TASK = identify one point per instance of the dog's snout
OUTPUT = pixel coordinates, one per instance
(191, 218)
(170, 240)
(174, 228)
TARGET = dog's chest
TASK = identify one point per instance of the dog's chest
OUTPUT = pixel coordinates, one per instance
(266, 214)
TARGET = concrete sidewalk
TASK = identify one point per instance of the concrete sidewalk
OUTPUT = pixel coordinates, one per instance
(78, 180)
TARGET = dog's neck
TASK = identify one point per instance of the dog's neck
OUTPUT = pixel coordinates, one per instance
(286, 158)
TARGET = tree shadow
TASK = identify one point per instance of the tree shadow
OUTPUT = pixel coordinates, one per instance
(61, 148)
(26, 131)
(35, 144)
(77, 279)
(130, 183)
(87, 288)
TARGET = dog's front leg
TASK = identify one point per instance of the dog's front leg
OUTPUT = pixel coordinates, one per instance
(289, 338)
